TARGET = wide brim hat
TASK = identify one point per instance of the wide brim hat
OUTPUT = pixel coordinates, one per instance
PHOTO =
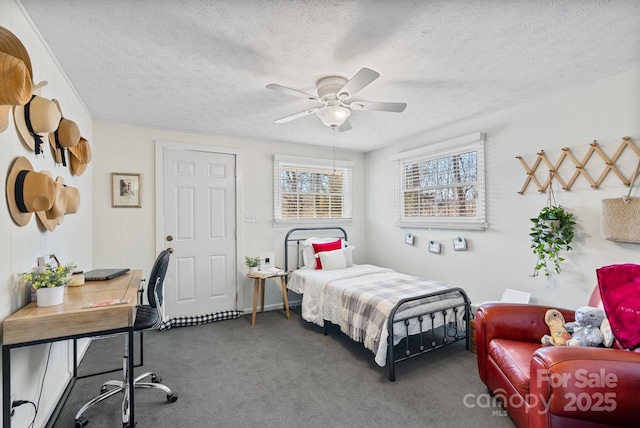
(66, 135)
(16, 87)
(80, 157)
(12, 45)
(27, 191)
(52, 217)
(73, 199)
(44, 117)
(15, 75)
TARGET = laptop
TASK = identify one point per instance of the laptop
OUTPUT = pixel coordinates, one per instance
(104, 274)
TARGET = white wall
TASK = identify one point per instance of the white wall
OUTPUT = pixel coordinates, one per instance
(21, 247)
(126, 236)
(500, 257)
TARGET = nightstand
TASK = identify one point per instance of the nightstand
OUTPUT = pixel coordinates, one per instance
(258, 287)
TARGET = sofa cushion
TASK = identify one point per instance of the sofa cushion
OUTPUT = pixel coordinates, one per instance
(514, 358)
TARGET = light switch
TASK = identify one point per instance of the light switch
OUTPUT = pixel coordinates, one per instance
(251, 217)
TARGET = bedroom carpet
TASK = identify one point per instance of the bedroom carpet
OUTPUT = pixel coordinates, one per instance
(284, 374)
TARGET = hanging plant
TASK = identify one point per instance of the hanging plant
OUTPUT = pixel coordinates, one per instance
(552, 232)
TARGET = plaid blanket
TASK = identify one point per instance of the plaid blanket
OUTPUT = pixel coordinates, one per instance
(366, 307)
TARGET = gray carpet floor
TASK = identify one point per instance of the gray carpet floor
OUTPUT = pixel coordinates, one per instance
(284, 374)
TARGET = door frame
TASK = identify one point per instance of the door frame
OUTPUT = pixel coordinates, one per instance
(160, 145)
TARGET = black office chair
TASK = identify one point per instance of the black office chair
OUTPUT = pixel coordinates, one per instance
(148, 317)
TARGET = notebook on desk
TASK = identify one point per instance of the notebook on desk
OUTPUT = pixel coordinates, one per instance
(104, 274)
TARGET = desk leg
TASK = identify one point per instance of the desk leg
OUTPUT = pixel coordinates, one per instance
(6, 386)
(256, 286)
(285, 297)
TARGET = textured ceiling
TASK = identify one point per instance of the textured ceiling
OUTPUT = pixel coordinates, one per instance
(202, 66)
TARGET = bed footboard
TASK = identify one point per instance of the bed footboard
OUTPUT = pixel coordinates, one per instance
(429, 337)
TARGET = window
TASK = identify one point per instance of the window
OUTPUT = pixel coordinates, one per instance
(442, 185)
(311, 190)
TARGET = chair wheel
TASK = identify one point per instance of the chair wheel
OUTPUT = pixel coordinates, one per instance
(103, 389)
(81, 422)
(172, 398)
(155, 378)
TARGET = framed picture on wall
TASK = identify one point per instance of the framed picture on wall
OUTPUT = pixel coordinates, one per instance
(125, 190)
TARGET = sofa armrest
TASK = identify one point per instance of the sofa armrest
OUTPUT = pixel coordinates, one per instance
(520, 322)
(598, 385)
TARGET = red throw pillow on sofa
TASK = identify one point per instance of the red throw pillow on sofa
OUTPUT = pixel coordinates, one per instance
(325, 246)
(620, 292)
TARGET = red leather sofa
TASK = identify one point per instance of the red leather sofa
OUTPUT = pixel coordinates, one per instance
(554, 386)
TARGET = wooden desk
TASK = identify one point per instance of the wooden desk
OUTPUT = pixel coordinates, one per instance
(258, 288)
(34, 325)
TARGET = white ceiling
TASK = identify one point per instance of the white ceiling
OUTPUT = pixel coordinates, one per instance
(202, 66)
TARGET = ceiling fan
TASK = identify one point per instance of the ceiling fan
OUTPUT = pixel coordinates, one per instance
(335, 94)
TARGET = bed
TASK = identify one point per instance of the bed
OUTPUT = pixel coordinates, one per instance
(394, 315)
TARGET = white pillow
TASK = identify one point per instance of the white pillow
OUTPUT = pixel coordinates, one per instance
(336, 259)
(309, 254)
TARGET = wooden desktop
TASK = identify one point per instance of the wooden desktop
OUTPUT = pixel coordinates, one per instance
(34, 325)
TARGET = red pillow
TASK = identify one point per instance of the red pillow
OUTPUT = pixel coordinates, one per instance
(620, 292)
(325, 246)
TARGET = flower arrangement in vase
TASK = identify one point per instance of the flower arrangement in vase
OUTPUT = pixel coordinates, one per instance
(48, 281)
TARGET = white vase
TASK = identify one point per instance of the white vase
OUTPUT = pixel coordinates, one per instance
(253, 269)
(49, 296)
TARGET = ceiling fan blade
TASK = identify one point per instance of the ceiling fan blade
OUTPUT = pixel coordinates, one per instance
(361, 79)
(345, 126)
(297, 115)
(378, 106)
(290, 91)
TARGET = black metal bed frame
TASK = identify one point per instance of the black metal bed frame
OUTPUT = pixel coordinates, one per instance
(428, 339)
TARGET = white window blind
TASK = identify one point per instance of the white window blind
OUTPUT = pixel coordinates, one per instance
(442, 185)
(311, 190)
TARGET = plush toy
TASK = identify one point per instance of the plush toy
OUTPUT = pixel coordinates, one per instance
(559, 335)
(585, 330)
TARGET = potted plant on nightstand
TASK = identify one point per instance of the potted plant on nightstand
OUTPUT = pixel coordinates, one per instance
(253, 263)
(49, 282)
(552, 232)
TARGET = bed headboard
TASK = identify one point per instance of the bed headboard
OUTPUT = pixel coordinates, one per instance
(300, 234)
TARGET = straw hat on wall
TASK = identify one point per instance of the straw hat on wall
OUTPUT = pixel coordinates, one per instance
(67, 135)
(16, 84)
(80, 157)
(28, 191)
(52, 217)
(38, 116)
(73, 199)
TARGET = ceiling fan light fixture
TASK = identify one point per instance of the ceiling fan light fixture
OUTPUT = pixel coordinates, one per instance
(333, 115)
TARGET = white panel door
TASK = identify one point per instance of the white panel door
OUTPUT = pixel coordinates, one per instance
(199, 191)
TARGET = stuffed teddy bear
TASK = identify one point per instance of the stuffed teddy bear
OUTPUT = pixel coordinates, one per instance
(559, 335)
(585, 330)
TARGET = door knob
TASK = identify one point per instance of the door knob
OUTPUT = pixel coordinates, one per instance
(169, 238)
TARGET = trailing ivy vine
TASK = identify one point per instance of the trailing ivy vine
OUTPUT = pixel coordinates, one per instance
(552, 232)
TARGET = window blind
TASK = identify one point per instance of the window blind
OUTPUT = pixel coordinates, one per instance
(442, 185)
(308, 189)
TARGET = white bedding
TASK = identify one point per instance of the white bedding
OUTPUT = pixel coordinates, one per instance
(322, 293)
